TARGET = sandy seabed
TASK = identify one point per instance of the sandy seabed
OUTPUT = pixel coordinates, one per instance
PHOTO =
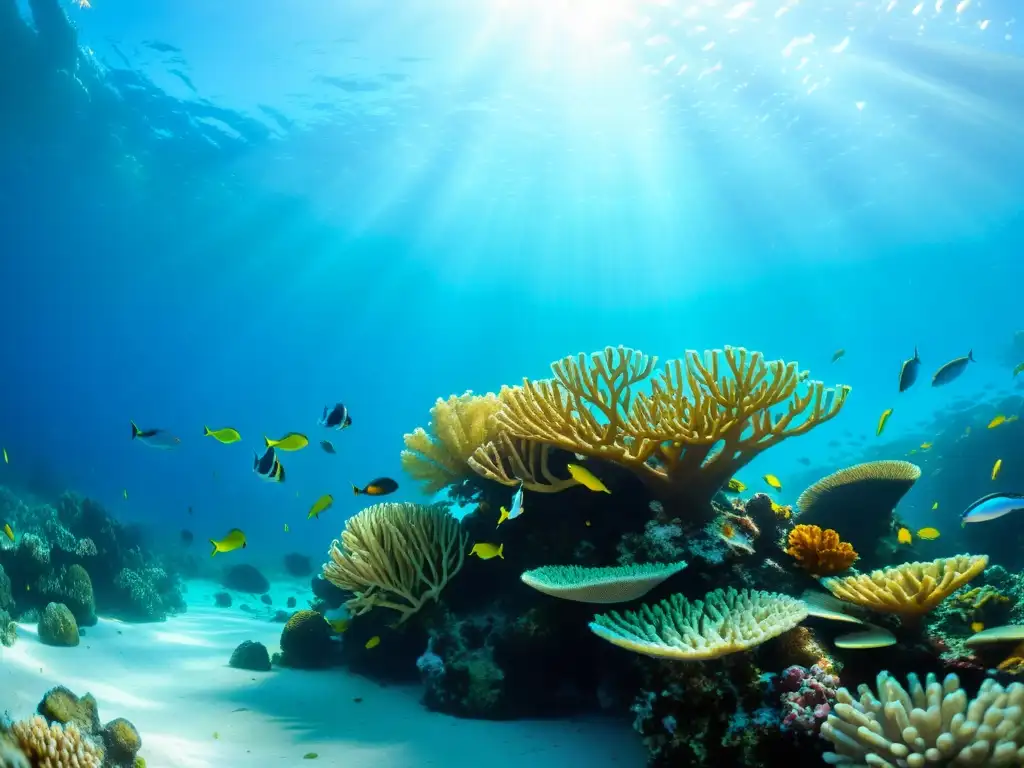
(171, 679)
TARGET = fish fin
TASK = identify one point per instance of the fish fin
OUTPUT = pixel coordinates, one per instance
(267, 441)
(355, 490)
(255, 460)
(501, 550)
(916, 356)
(135, 431)
(970, 355)
(245, 544)
(214, 544)
(324, 418)
(503, 516)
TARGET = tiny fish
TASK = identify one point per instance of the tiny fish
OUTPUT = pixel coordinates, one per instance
(286, 528)
(486, 551)
(373, 642)
(837, 355)
(928, 534)
(517, 507)
(882, 420)
(735, 486)
(952, 370)
(805, 461)
(925, 446)
(903, 536)
(6, 460)
(293, 441)
(992, 506)
(155, 438)
(773, 481)
(977, 626)
(8, 531)
(310, 756)
(125, 494)
(587, 523)
(190, 510)
(267, 466)
(327, 446)
(225, 435)
(996, 467)
(586, 478)
(996, 421)
(382, 486)
(1018, 369)
(935, 505)
(187, 537)
(322, 505)
(912, 451)
(909, 371)
(336, 418)
(234, 539)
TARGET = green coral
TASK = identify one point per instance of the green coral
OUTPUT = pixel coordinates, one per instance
(57, 626)
(122, 742)
(306, 641)
(72, 587)
(60, 705)
(8, 630)
(6, 593)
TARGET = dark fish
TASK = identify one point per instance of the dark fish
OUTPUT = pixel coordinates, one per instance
(186, 537)
(952, 370)
(155, 438)
(190, 509)
(382, 486)
(838, 355)
(336, 418)
(909, 371)
(326, 445)
(267, 466)
(805, 461)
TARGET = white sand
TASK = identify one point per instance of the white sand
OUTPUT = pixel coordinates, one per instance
(172, 680)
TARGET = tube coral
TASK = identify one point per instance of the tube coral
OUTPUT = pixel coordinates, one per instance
(819, 552)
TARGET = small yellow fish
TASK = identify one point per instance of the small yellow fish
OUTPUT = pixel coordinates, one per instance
(735, 486)
(293, 441)
(322, 505)
(912, 451)
(587, 523)
(925, 446)
(8, 531)
(996, 467)
(339, 625)
(225, 435)
(996, 421)
(928, 534)
(977, 626)
(6, 460)
(881, 421)
(1018, 369)
(486, 551)
(935, 505)
(373, 642)
(586, 478)
(126, 494)
(773, 481)
(234, 539)
(286, 528)
(904, 536)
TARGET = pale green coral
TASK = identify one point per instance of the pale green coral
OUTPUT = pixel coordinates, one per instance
(606, 585)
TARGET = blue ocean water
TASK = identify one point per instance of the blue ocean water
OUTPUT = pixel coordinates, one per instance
(233, 214)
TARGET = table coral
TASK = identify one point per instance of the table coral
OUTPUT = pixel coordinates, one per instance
(820, 553)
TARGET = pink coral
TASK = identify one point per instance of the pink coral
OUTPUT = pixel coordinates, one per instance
(807, 697)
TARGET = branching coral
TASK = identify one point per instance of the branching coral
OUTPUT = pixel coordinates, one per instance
(930, 724)
(725, 621)
(911, 589)
(705, 417)
(819, 552)
(396, 556)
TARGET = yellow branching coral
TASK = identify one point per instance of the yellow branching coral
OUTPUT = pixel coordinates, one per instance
(911, 589)
(396, 556)
(704, 418)
(820, 553)
(724, 622)
(55, 745)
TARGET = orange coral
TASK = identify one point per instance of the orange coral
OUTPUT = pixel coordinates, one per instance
(820, 552)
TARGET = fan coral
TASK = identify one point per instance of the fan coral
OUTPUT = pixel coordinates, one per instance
(807, 697)
(614, 584)
(911, 589)
(819, 552)
(701, 423)
(725, 621)
(396, 556)
(933, 724)
(55, 745)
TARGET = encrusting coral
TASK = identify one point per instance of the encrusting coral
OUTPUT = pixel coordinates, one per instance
(396, 556)
(923, 725)
(612, 584)
(820, 553)
(704, 419)
(910, 589)
(724, 622)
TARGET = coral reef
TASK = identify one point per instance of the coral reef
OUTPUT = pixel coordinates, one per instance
(54, 745)
(244, 578)
(252, 656)
(148, 594)
(306, 642)
(57, 626)
(820, 553)
(122, 742)
(807, 697)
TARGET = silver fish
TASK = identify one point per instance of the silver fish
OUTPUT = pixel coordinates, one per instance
(992, 506)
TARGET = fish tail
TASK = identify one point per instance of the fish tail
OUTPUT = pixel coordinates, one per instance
(503, 516)
(501, 551)
(355, 490)
(214, 545)
(268, 441)
(206, 431)
(135, 431)
(970, 355)
(916, 356)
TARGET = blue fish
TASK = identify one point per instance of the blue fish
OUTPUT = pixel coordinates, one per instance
(909, 370)
(952, 370)
(517, 507)
(992, 506)
(155, 438)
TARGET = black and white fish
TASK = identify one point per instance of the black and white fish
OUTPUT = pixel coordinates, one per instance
(336, 417)
(267, 466)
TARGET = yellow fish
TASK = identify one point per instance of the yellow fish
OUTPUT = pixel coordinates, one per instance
(340, 625)
(586, 478)
(226, 435)
(925, 446)
(293, 441)
(977, 626)
(996, 467)
(881, 422)
(904, 536)
(373, 642)
(486, 551)
(780, 511)
(928, 534)
(773, 481)
(322, 505)
(286, 528)
(234, 539)
(735, 486)
(996, 421)
(6, 460)
(1018, 369)
(912, 451)
(935, 505)
(8, 531)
